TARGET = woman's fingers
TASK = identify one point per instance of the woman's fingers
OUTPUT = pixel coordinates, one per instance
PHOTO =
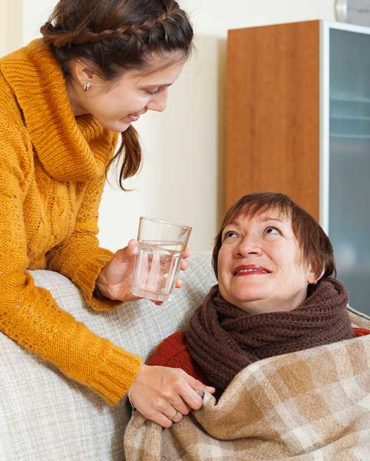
(172, 414)
(161, 419)
(154, 275)
(210, 389)
(193, 395)
(187, 393)
(191, 398)
(179, 404)
(183, 265)
(186, 252)
(164, 394)
(178, 283)
(177, 417)
(184, 257)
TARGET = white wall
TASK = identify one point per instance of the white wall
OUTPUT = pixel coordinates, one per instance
(182, 176)
(11, 25)
(3, 27)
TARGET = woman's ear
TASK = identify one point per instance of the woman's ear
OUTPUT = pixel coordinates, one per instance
(81, 70)
(312, 276)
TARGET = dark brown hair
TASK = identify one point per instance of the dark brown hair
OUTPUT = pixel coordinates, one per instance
(314, 243)
(116, 35)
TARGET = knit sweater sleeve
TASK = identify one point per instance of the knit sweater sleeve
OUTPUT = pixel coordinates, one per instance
(79, 257)
(28, 314)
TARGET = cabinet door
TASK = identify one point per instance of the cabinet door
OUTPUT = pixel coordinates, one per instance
(349, 161)
(273, 110)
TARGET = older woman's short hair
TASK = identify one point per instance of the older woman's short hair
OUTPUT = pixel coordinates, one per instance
(314, 243)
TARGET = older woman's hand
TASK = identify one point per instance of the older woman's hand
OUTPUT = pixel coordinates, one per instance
(115, 279)
(164, 395)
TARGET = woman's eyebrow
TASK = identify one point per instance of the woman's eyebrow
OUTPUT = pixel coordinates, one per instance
(232, 223)
(271, 218)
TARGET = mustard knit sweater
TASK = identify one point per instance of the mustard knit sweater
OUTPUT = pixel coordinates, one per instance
(51, 179)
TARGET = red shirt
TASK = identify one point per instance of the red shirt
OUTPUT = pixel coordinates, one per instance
(172, 352)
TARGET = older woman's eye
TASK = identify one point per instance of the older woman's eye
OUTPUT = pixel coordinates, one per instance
(229, 234)
(271, 230)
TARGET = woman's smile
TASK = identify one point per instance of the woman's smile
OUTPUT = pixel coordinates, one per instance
(250, 269)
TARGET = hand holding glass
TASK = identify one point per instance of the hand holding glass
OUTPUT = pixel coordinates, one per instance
(160, 248)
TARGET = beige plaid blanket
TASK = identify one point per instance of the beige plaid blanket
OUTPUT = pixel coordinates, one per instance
(308, 405)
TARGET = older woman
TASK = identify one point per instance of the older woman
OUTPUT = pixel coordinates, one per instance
(276, 293)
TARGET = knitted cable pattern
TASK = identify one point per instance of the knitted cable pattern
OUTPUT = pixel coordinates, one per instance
(51, 181)
(223, 339)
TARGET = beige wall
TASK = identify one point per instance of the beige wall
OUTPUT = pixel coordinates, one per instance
(183, 174)
(11, 25)
(3, 27)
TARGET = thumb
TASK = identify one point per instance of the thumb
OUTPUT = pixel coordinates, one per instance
(127, 253)
(132, 247)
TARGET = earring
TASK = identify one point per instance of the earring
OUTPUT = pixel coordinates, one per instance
(87, 86)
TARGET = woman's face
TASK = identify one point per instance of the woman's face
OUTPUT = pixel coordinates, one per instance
(116, 104)
(260, 264)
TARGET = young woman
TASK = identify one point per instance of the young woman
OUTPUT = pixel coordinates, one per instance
(99, 66)
(276, 293)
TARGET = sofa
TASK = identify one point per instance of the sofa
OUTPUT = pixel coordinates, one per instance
(47, 417)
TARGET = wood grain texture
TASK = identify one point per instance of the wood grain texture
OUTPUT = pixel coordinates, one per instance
(273, 110)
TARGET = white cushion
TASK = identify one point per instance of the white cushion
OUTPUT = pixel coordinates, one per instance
(45, 416)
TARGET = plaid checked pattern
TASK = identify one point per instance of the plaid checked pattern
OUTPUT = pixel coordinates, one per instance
(310, 405)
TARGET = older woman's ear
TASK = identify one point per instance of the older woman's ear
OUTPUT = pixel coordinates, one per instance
(313, 278)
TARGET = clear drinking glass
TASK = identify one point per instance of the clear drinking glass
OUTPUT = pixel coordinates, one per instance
(160, 248)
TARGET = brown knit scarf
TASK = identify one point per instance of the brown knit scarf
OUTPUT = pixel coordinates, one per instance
(222, 339)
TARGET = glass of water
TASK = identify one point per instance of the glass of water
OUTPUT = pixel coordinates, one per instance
(160, 248)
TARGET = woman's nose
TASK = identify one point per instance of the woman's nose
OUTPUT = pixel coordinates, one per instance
(248, 245)
(158, 102)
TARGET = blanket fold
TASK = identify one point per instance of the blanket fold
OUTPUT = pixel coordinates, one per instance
(307, 405)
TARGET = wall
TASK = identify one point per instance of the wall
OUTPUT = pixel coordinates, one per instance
(182, 175)
(11, 25)
(3, 27)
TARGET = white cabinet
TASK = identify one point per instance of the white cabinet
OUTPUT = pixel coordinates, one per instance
(346, 155)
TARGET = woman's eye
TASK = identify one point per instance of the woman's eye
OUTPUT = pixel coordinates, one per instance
(271, 230)
(230, 234)
(153, 92)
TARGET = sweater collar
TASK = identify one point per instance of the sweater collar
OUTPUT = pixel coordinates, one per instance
(69, 148)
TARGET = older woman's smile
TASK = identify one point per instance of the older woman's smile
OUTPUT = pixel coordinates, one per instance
(250, 269)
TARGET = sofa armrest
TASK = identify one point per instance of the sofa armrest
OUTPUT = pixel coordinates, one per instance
(44, 415)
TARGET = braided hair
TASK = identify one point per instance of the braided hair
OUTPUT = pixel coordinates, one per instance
(116, 35)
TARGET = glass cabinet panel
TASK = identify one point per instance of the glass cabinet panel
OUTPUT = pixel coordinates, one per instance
(349, 162)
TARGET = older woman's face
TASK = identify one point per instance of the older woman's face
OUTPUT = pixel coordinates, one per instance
(260, 264)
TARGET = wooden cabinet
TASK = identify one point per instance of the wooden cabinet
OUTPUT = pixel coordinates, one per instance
(298, 122)
(273, 112)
